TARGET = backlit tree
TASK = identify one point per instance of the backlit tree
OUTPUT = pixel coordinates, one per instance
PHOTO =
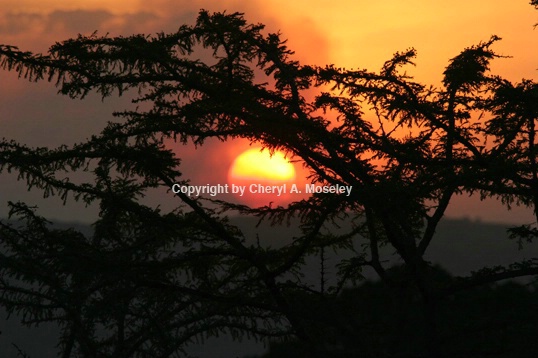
(147, 282)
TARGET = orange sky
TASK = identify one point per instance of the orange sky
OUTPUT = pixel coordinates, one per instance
(349, 33)
(353, 34)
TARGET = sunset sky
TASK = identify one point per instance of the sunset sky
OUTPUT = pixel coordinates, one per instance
(352, 34)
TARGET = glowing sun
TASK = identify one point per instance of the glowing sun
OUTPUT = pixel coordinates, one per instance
(254, 164)
(265, 178)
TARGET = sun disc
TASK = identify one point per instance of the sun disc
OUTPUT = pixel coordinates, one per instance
(254, 164)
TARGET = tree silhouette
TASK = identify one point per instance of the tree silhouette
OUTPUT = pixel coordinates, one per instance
(147, 282)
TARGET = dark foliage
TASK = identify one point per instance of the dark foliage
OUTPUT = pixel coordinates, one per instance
(149, 281)
(372, 321)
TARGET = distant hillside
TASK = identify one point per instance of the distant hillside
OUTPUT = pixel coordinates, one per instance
(460, 245)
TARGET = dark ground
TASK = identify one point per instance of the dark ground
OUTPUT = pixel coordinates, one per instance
(461, 246)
